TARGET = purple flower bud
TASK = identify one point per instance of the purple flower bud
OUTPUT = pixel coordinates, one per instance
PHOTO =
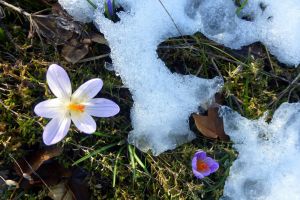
(202, 165)
(110, 7)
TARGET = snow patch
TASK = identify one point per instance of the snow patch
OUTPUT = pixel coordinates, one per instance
(267, 167)
(80, 10)
(275, 23)
(163, 101)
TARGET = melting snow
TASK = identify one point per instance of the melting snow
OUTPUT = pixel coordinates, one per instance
(267, 167)
(275, 23)
(268, 164)
(163, 101)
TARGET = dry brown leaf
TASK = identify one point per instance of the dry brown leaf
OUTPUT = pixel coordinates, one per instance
(211, 125)
(61, 191)
(74, 51)
(95, 37)
(52, 28)
(26, 166)
(59, 28)
(66, 184)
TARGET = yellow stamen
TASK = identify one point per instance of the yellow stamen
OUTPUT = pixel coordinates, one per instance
(76, 107)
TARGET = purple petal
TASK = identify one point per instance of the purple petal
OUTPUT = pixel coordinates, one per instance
(198, 174)
(88, 90)
(51, 108)
(213, 165)
(194, 163)
(84, 122)
(101, 107)
(59, 81)
(110, 7)
(200, 154)
(206, 173)
(56, 130)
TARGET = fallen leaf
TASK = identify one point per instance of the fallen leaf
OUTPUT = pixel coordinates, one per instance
(65, 184)
(95, 37)
(26, 166)
(74, 51)
(78, 185)
(61, 191)
(211, 125)
(56, 30)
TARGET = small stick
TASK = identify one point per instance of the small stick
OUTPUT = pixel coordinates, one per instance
(93, 58)
(19, 10)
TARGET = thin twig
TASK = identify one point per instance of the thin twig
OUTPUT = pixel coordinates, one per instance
(17, 9)
(93, 58)
(179, 31)
(294, 82)
(216, 67)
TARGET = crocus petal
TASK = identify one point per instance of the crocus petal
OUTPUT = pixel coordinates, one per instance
(198, 174)
(59, 81)
(84, 122)
(200, 154)
(110, 7)
(101, 107)
(206, 173)
(52, 108)
(213, 165)
(194, 163)
(88, 90)
(56, 130)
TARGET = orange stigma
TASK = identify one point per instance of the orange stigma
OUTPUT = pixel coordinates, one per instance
(76, 107)
(202, 166)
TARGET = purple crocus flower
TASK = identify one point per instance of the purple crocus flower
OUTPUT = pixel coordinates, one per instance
(110, 7)
(203, 165)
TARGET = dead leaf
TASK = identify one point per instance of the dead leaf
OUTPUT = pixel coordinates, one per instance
(61, 191)
(74, 51)
(26, 166)
(66, 184)
(211, 125)
(55, 29)
(78, 184)
(95, 37)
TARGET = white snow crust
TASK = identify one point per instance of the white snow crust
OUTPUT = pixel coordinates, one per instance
(163, 101)
(80, 10)
(267, 167)
(275, 23)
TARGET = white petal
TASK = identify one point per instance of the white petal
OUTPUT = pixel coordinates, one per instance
(87, 91)
(56, 130)
(59, 81)
(84, 122)
(100, 107)
(51, 108)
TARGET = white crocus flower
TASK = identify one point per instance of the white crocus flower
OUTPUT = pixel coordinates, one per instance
(78, 107)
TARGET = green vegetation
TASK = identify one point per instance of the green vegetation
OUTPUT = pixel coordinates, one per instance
(254, 83)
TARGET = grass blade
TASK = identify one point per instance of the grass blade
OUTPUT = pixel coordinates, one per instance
(102, 149)
(116, 166)
(132, 161)
(141, 163)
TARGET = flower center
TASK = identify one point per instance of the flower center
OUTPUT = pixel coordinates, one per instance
(76, 107)
(202, 166)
